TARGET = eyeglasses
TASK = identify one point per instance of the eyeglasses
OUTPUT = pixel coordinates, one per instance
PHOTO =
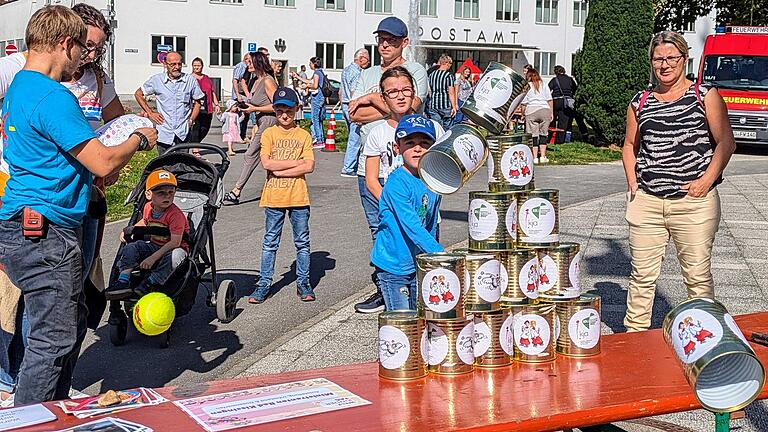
(391, 41)
(91, 47)
(671, 61)
(392, 94)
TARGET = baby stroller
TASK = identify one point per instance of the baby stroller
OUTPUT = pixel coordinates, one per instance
(199, 194)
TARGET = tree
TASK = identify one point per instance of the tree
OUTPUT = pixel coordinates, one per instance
(743, 12)
(677, 14)
(613, 63)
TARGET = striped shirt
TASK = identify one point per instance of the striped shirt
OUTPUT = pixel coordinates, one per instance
(440, 81)
(675, 147)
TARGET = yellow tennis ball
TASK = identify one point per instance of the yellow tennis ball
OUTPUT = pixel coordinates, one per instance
(153, 313)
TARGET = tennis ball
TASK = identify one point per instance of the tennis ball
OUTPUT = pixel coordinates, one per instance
(153, 313)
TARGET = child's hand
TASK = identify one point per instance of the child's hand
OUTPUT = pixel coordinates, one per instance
(122, 237)
(148, 263)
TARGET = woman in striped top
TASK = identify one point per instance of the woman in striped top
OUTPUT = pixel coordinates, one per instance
(677, 145)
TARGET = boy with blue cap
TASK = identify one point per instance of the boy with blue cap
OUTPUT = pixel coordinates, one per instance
(408, 213)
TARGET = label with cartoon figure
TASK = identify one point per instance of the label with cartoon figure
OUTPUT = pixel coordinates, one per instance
(425, 345)
(482, 340)
(528, 280)
(548, 273)
(532, 334)
(489, 164)
(483, 219)
(574, 272)
(503, 278)
(488, 281)
(465, 343)
(731, 323)
(394, 347)
(517, 165)
(441, 290)
(511, 220)
(470, 151)
(493, 90)
(506, 335)
(536, 219)
(437, 341)
(694, 333)
(584, 328)
(557, 328)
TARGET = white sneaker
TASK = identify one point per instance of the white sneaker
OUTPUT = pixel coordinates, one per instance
(543, 159)
(536, 161)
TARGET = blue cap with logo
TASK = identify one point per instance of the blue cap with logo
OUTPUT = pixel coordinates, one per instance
(394, 26)
(285, 96)
(413, 124)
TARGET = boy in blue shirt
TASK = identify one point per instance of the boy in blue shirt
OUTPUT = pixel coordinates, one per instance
(408, 214)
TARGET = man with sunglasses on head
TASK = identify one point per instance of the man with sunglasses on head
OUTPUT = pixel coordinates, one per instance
(368, 109)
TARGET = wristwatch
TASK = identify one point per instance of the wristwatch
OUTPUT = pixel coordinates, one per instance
(143, 140)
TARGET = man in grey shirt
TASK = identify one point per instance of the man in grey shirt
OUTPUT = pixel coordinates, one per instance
(178, 97)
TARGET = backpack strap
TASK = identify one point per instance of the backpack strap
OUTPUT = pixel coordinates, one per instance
(643, 98)
(697, 90)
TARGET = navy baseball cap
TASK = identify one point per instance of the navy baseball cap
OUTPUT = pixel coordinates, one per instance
(394, 26)
(413, 124)
(285, 96)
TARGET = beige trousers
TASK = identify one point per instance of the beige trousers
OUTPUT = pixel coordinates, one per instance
(692, 224)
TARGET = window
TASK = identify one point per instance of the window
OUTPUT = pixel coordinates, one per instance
(508, 10)
(280, 3)
(177, 43)
(373, 54)
(469, 9)
(331, 53)
(690, 67)
(378, 6)
(428, 8)
(330, 4)
(228, 1)
(545, 62)
(546, 11)
(580, 8)
(690, 27)
(20, 45)
(225, 52)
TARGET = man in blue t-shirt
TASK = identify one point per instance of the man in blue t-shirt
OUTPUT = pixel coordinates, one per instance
(52, 154)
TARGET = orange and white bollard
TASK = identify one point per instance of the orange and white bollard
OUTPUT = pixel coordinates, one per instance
(330, 136)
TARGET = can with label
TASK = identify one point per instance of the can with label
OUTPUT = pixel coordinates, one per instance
(579, 320)
(402, 346)
(534, 332)
(538, 218)
(717, 360)
(520, 268)
(494, 341)
(495, 97)
(510, 162)
(440, 285)
(482, 280)
(451, 345)
(453, 159)
(491, 220)
(559, 269)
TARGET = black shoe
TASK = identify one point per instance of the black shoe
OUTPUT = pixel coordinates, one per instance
(373, 304)
(230, 197)
(118, 291)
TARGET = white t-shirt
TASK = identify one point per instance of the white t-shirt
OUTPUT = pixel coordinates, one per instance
(86, 90)
(537, 99)
(381, 142)
(9, 67)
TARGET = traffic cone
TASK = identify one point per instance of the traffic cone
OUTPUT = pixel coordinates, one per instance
(330, 140)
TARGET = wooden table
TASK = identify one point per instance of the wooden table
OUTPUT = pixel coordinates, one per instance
(636, 376)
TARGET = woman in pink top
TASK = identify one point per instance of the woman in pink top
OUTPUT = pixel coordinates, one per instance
(209, 106)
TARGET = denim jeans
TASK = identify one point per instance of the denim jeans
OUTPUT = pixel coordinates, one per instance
(273, 229)
(370, 205)
(353, 143)
(399, 291)
(318, 115)
(12, 348)
(134, 253)
(442, 116)
(49, 272)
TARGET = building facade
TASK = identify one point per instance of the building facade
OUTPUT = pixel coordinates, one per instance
(544, 33)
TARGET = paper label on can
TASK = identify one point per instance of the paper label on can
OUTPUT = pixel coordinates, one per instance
(694, 333)
(425, 345)
(503, 277)
(493, 90)
(517, 165)
(465, 343)
(528, 281)
(557, 327)
(574, 272)
(537, 218)
(511, 220)
(584, 328)
(394, 347)
(483, 219)
(548, 273)
(482, 337)
(441, 290)
(506, 335)
(437, 342)
(729, 321)
(532, 334)
(466, 280)
(470, 150)
(489, 164)
(488, 281)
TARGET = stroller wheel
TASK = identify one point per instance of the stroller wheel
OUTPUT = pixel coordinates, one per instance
(118, 327)
(226, 300)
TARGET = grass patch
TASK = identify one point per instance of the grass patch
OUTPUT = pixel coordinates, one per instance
(340, 133)
(129, 177)
(580, 153)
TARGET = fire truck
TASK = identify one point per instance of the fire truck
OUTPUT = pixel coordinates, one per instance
(735, 60)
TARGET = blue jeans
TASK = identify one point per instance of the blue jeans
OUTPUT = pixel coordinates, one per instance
(353, 143)
(399, 291)
(49, 272)
(318, 115)
(134, 253)
(370, 205)
(442, 116)
(12, 348)
(273, 229)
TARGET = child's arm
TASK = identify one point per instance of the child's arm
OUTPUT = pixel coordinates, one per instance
(275, 165)
(304, 167)
(172, 244)
(399, 201)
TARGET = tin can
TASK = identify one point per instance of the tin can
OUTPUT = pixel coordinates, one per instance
(491, 220)
(717, 360)
(520, 268)
(482, 280)
(440, 285)
(493, 342)
(453, 159)
(538, 218)
(534, 331)
(579, 324)
(451, 345)
(402, 346)
(510, 162)
(559, 268)
(496, 95)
